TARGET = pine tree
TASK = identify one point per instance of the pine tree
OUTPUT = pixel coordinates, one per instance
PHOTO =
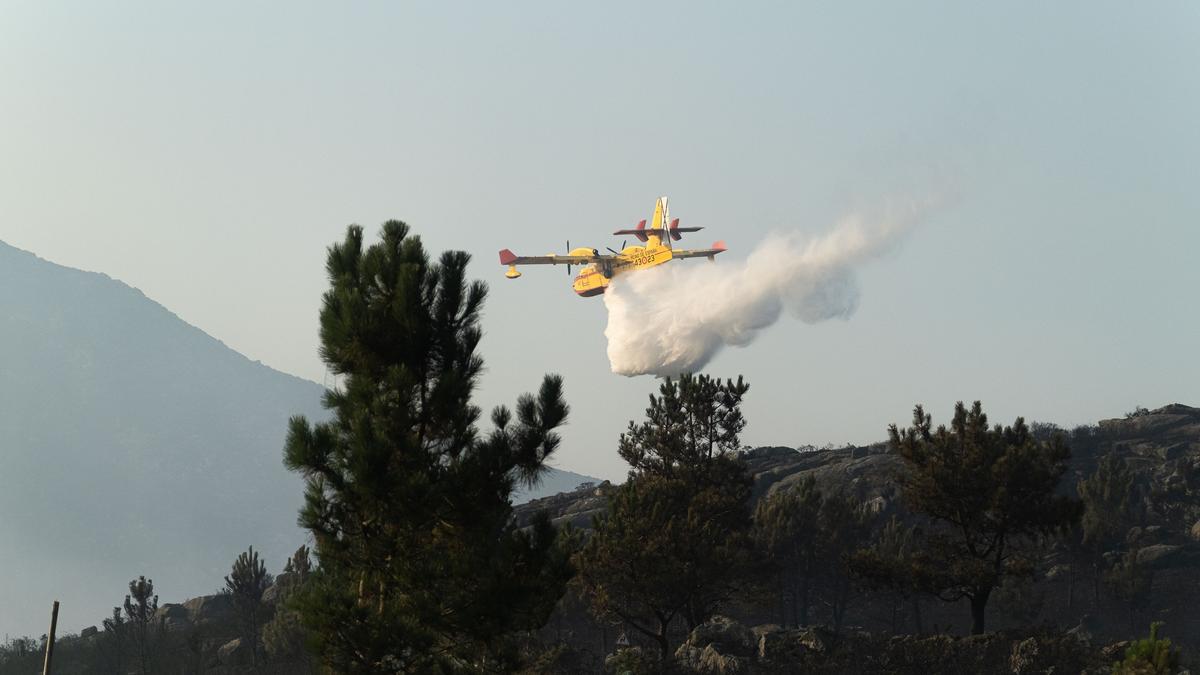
(1107, 495)
(420, 565)
(786, 528)
(140, 607)
(299, 565)
(245, 586)
(988, 492)
(1150, 656)
(690, 428)
(284, 636)
(114, 639)
(844, 526)
(811, 539)
(1130, 582)
(885, 563)
(675, 544)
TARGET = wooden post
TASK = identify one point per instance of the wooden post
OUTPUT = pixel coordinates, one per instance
(50, 639)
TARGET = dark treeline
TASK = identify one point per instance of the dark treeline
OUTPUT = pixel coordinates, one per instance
(419, 564)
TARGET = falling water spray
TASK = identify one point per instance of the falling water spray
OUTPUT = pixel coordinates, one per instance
(675, 318)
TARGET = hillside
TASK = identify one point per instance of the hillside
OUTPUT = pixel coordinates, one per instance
(1161, 446)
(133, 444)
(556, 481)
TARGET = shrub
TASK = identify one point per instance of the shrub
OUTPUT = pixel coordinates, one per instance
(1152, 656)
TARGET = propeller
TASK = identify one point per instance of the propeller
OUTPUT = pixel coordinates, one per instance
(568, 253)
(623, 242)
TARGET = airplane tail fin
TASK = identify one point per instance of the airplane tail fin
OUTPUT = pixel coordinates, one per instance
(660, 214)
(663, 229)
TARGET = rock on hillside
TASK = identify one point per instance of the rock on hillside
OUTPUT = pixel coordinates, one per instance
(577, 507)
(722, 646)
(1163, 447)
(862, 471)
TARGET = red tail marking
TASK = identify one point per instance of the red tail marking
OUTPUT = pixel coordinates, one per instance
(507, 257)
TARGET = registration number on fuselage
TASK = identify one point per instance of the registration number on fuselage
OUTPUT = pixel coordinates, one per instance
(644, 259)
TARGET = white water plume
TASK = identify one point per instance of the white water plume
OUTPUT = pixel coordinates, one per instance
(674, 318)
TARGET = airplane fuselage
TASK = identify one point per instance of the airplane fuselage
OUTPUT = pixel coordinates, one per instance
(594, 279)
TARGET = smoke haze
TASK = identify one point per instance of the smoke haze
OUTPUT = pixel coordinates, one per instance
(674, 318)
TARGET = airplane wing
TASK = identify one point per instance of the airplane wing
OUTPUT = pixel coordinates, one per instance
(507, 257)
(718, 247)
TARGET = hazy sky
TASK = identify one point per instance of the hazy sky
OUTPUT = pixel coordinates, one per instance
(208, 154)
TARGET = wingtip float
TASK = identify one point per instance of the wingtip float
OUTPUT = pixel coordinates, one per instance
(599, 269)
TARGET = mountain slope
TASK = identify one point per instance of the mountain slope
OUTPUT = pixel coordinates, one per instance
(133, 443)
(555, 481)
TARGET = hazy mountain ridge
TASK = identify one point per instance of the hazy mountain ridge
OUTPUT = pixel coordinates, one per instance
(556, 481)
(134, 443)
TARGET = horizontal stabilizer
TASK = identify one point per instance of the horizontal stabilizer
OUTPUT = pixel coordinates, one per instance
(639, 231)
(507, 257)
(659, 230)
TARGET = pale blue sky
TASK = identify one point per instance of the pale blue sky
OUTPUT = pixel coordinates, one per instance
(208, 153)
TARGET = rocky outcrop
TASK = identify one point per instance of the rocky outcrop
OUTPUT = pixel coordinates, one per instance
(282, 580)
(577, 507)
(234, 653)
(173, 616)
(1155, 442)
(722, 646)
(719, 646)
(866, 472)
(863, 471)
(1162, 446)
(210, 610)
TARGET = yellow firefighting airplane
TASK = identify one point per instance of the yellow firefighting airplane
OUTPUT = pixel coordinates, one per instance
(599, 269)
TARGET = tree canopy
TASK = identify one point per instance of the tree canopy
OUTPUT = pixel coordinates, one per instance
(245, 584)
(675, 544)
(420, 567)
(988, 491)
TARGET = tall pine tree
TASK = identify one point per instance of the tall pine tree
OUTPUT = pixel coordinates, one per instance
(141, 606)
(421, 568)
(245, 585)
(787, 529)
(990, 494)
(1110, 500)
(675, 545)
(284, 637)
